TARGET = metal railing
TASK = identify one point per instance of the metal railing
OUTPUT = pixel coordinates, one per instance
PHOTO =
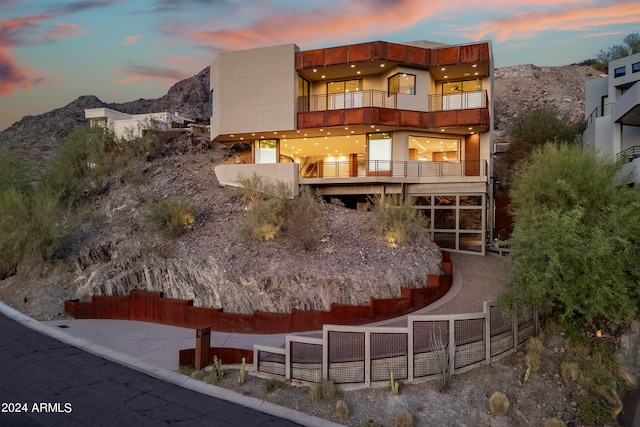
(400, 169)
(365, 354)
(341, 101)
(458, 101)
(628, 155)
(599, 111)
(382, 99)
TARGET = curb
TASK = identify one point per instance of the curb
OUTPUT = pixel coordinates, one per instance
(166, 374)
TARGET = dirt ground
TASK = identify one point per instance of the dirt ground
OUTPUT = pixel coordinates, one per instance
(544, 395)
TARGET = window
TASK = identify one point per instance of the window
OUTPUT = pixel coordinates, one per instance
(344, 94)
(462, 94)
(379, 146)
(303, 94)
(635, 67)
(620, 71)
(266, 151)
(402, 83)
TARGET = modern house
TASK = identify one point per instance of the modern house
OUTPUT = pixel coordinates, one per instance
(367, 119)
(129, 126)
(613, 114)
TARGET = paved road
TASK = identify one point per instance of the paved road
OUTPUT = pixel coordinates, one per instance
(54, 383)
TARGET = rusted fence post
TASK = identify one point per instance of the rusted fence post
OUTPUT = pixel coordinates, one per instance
(203, 342)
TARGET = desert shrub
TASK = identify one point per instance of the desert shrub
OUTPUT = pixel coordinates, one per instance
(80, 168)
(198, 375)
(185, 370)
(326, 390)
(171, 216)
(595, 412)
(554, 422)
(252, 187)
(270, 385)
(14, 174)
(264, 220)
(534, 353)
(570, 371)
(304, 218)
(398, 222)
(342, 410)
(403, 419)
(498, 404)
(29, 227)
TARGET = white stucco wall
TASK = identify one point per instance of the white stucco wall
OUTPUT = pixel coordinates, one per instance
(254, 89)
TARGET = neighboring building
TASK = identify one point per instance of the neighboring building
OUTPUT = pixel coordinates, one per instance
(613, 114)
(129, 126)
(367, 119)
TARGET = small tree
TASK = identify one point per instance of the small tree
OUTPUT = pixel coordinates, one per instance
(397, 221)
(576, 239)
(537, 126)
(631, 46)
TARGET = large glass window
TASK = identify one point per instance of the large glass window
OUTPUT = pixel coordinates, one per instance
(379, 146)
(457, 95)
(635, 67)
(344, 94)
(620, 71)
(402, 83)
(457, 222)
(303, 94)
(266, 151)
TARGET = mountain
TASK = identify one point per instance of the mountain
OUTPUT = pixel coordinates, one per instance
(36, 137)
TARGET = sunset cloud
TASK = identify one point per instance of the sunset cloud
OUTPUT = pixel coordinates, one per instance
(343, 20)
(566, 18)
(131, 39)
(162, 75)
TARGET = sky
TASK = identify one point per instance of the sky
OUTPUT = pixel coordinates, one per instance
(51, 52)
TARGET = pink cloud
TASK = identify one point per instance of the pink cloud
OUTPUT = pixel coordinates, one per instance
(353, 19)
(131, 39)
(164, 75)
(567, 18)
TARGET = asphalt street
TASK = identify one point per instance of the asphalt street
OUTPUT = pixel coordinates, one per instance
(45, 382)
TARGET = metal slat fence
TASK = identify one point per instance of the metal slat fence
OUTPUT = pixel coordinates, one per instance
(366, 354)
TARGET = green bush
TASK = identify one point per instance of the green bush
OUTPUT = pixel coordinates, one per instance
(29, 227)
(171, 216)
(398, 222)
(595, 412)
(270, 385)
(304, 219)
(80, 168)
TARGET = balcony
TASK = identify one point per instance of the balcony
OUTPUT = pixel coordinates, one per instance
(415, 171)
(382, 99)
(373, 107)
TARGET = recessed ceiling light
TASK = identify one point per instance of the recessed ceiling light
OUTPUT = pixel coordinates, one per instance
(315, 70)
(353, 65)
(474, 65)
(232, 136)
(322, 76)
(442, 69)
(382, 65)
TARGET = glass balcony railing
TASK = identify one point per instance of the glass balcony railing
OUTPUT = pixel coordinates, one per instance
(389, 168)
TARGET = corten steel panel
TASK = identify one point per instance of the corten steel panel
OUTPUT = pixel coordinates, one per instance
(410, 118)
(144, 306)
(418, 56)
(470, 53)
(448, 55)
(173, 311)
(355, 116)
(397, 52)
(476, 116)
(446, 118)
(312, 58)
(201, 317)
(273, 323)
(484, 52)
(310, 120)
(79, 310)
(111, 307)
(472, 156)
(446, 256)
(309, 320)
(361, 52)
(235, 322)
(350, 315)
(389, 117)
(336, 55)
(386, 308)
(334, 118)
(428, 120)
